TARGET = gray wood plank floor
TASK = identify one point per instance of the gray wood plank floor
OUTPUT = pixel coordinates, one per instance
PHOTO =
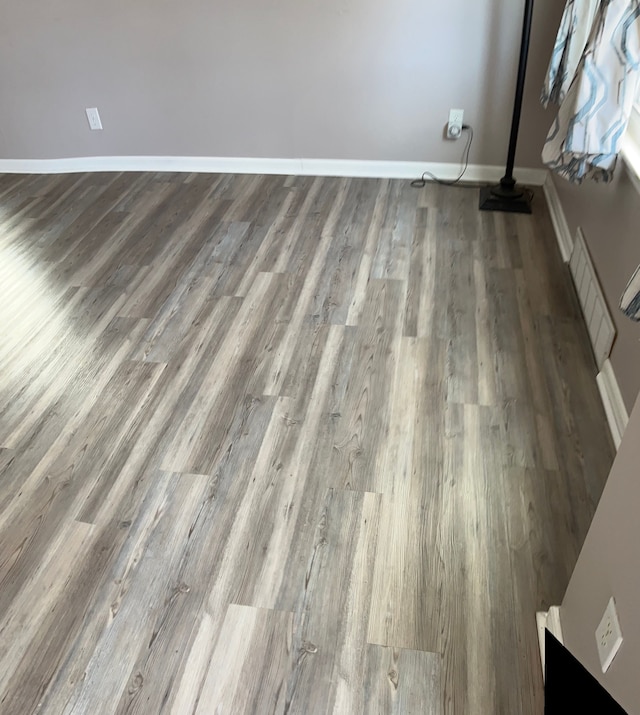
(284, 445)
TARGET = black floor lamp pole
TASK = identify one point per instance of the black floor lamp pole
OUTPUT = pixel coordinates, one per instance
(508, 196)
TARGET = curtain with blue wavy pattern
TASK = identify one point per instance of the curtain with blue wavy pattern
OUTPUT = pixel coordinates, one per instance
(571, 42)
(595, 81)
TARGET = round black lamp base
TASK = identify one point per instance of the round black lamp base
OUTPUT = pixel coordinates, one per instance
(505, 197)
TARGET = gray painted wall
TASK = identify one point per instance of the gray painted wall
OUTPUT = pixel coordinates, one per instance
(609, 215)
(609, 565)
(335, 79)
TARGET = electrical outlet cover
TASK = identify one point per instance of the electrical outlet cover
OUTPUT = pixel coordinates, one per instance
(94, 118)
(454, 127)
(608, 636)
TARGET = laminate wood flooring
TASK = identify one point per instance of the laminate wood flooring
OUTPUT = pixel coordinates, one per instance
(284, 445)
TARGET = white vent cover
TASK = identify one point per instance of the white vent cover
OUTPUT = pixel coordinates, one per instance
(600, 324)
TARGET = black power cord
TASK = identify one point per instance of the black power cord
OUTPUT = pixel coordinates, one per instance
(422, 182)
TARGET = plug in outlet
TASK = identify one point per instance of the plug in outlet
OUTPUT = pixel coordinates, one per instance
(608, 636)
(454, 127)
(94, 118)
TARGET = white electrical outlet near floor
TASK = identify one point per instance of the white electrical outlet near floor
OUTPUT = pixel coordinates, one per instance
(608, 636)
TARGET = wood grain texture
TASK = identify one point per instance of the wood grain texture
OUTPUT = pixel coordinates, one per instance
(400, 681)
(284, 445)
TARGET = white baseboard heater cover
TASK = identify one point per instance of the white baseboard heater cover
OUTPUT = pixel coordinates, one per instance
(600, 324)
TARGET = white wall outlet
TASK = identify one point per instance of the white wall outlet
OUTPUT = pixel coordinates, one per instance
(456, 120)
(608, 636)
(94, 118)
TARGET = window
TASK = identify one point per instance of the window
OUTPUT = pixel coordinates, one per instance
(631, 146)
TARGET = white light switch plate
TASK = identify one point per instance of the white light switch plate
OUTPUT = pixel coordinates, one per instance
(608, 636)
(94, 118)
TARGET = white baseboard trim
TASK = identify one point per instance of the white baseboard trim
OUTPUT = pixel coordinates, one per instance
(558, 218)
(551, 621)
(246, 165)
(189, 164)
(614, 406)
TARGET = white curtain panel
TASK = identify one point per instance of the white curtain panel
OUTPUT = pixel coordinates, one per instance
(571, 42)
(584, 140)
